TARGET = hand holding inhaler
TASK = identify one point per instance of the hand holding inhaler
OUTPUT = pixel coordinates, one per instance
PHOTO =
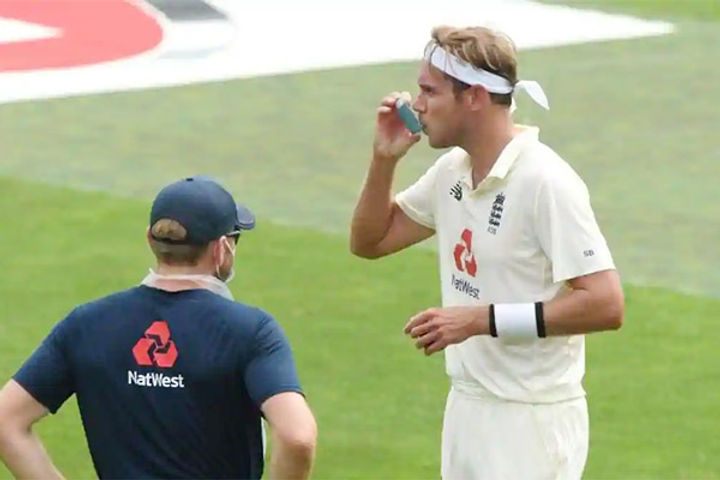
(393, 138)
(407, 116)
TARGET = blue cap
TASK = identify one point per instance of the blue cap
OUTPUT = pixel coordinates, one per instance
(203, 207)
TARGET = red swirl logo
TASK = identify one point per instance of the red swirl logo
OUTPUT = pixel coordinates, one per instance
(156, 348)
(464, 258)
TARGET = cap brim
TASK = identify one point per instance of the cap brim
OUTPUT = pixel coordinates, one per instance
(245, 218)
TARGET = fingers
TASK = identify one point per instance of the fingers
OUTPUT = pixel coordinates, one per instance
(435, 347)
(427, 339)
(390, 99)
(384, 109)
(419, 319)
(432, 342)
(387, 104)
(427, 331)
(392, 138)
(422, 329)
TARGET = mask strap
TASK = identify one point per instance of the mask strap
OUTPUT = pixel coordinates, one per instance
(226, 243)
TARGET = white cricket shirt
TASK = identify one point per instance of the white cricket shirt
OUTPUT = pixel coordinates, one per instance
(516, 238)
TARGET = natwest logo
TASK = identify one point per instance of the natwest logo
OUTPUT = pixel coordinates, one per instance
(464, 258)
(156, 348)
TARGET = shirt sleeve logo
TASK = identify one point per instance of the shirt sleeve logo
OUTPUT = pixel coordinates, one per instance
(464, 258)
(156, 348)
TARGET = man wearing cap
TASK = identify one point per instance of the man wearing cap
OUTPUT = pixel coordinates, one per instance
(525, 270)
(171, 376)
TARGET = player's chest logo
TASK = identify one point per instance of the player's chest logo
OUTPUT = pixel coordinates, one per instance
(156, 348)
(496, 213)
(463, 254)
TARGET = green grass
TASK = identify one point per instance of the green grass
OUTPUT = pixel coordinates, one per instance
(378, 401)
(703, 10)
(636, 118)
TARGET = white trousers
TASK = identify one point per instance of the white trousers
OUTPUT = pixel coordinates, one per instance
(485, 438)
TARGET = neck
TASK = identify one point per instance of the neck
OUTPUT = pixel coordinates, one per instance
(486, 143)
(175, 285)
(164, 269)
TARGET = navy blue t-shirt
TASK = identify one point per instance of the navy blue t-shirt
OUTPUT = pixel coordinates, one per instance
(169, 384)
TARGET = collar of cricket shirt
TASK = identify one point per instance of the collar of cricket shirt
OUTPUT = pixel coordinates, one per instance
(523, 135)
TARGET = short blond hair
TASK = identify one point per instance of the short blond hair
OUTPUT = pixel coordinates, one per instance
(166, 237)
(482, 47)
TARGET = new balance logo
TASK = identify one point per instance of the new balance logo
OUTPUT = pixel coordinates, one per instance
(155, 348)
(456, 191)
(496, 213)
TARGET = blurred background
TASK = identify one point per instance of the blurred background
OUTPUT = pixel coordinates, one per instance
(102, 102)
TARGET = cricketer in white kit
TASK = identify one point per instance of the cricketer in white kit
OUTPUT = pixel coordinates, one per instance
(525, 270)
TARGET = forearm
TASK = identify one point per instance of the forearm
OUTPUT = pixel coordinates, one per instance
(373, 213)
(575, 311)
(595, 302)
(582, 311)
(291, 462)
(24, 455)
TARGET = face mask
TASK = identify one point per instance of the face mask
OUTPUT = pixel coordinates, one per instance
(231, 275)
(208, 282)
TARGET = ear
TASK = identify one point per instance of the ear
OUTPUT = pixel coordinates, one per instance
(477, 97)
(147, 234)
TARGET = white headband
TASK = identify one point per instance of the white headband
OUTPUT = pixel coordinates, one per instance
(493, 83)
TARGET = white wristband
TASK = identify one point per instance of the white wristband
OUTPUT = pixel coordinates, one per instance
(517, 320)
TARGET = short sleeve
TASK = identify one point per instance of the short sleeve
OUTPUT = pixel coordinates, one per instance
(47, 374)
(567, 230)
(271, 367)
(418, 200)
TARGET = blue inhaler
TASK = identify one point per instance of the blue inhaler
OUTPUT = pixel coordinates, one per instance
(407, 116)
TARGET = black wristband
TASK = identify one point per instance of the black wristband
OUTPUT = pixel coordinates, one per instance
(540, 319)
(493, 330)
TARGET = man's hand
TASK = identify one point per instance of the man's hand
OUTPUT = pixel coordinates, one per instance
(436, 328)
(392, 138)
